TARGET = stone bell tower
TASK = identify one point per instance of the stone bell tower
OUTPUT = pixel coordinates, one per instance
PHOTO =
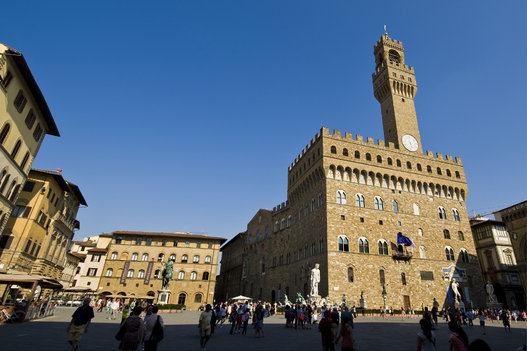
(394, 86)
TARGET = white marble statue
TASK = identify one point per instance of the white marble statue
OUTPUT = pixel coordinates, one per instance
(490, 291)
(315, 279)
(457, 295)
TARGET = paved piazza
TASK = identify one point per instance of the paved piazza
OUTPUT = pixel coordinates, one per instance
(371, 333)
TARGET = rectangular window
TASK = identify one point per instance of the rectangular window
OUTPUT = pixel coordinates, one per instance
(42, 218)
(30, 119)
(148, 241)
(96, 258)
(28, 186)
(92, 272)
(37, 133)
(28, 245)
(21, 211)
(426, 275)
(7, 79)
(20, 101)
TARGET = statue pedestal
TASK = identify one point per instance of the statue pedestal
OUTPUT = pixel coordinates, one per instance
(362, 303)
(163, 297)
(460, 305)
(314, 299)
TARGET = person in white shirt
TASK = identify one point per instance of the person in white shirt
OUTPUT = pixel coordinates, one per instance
(150, 322)
(114, 306)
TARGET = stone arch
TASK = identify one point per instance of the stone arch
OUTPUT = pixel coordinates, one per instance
(347, 174)
(362, 177)
(371, 177)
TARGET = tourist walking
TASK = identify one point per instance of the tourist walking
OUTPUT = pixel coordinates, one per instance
(458, 338)
(426, 339)
(324, 327)
(132, 331)
(80, 320)
(335, 319)
(258, 321)
(347, 336)
(154, 330)
(204, 326)
(481, 316)
(505, 317)
(114, 307)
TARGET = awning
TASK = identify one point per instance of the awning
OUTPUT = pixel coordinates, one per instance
(240, 298)
(27, 280)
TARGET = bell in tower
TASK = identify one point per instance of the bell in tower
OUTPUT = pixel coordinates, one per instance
(394, 86)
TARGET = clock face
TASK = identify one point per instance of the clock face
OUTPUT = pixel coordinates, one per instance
(410, 143)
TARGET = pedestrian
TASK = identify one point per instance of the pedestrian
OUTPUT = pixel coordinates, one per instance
(258, 321)
(458, 338)
(133, 330)
(481, 317)
(80, 320)
(347, 316)
(505, 317)
(114, 307)
(232, 318)
(426, 339)
(335, 322)
(347, 337)
(204, 326)
(245, 321)
(355, 311)
(126, 312)
(152, 334)
(324, 327)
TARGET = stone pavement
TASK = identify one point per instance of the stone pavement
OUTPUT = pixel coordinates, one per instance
(371, 333)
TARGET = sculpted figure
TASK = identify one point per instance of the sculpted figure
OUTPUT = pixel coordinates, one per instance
(167, 273)
(457, 295)
(315, 279)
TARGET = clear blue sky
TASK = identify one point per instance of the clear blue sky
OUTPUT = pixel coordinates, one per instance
(184, 115)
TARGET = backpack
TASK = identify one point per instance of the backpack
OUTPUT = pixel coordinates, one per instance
(157, 332)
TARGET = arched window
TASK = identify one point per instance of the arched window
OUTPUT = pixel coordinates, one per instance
(458, 175)
(439, 171)
(398, 162)
(379, 204)
(205, 276)
(446, 234)
(195, 259)
(359, 200)
(463, 255)
(145, 257)
(341, 197)
(172, 257)
(357, 154)
(193, 276)
(282, 227)
(417, 210)
(345, 152)
(207, 259)
(4, 133)
(198, 298)
(181, 299)
(141, 273)
(368, 157)
(109, 272)
(394, 56)
(135, 256)
(429, 169)
(403, 278)
(333, 150)
(448, 173)
(161, 257)
(442, 212)
(420, 231)
(419, 168)
(449, 253)
(455, 215)
(113, 256)
(181, 275)
(379, 159)
(460, 236)
(383, 247)
(275, 226)
(395, 206)
(24, 160)
(389, 160)
(350, 274)
(381, 277)
(409, 166)
(364, 245)
(15, 149)
(343, 243)
(184, 259)
(422, 252)
(130, 273)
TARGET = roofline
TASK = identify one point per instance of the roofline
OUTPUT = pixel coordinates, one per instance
(506, 208)
(66, 186)
(178, 235)
(23, 67)
(233, 239)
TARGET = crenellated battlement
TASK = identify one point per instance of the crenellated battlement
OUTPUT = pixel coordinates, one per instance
(280, 207)
(349, 137)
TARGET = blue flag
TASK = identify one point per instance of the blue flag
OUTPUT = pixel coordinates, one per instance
(401, 239)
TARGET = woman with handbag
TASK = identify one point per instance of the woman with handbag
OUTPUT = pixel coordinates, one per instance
(131, 332)
(154, 330)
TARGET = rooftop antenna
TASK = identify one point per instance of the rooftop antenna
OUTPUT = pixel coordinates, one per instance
(385, 32)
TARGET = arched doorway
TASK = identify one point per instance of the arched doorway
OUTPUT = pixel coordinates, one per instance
(182, 298)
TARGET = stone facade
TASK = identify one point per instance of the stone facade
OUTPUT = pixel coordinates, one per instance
(228, 283)
(498, 262)
(92, 251)
(24, 120)
(515, 219)
(134, 264)
(40, 228)
(349, 196)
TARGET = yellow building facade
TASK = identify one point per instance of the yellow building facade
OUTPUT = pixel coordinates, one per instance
(135, 260)
(41, 226)
(24, 120)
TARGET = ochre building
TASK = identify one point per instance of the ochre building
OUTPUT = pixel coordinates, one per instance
(134, 264)
(348, 197)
